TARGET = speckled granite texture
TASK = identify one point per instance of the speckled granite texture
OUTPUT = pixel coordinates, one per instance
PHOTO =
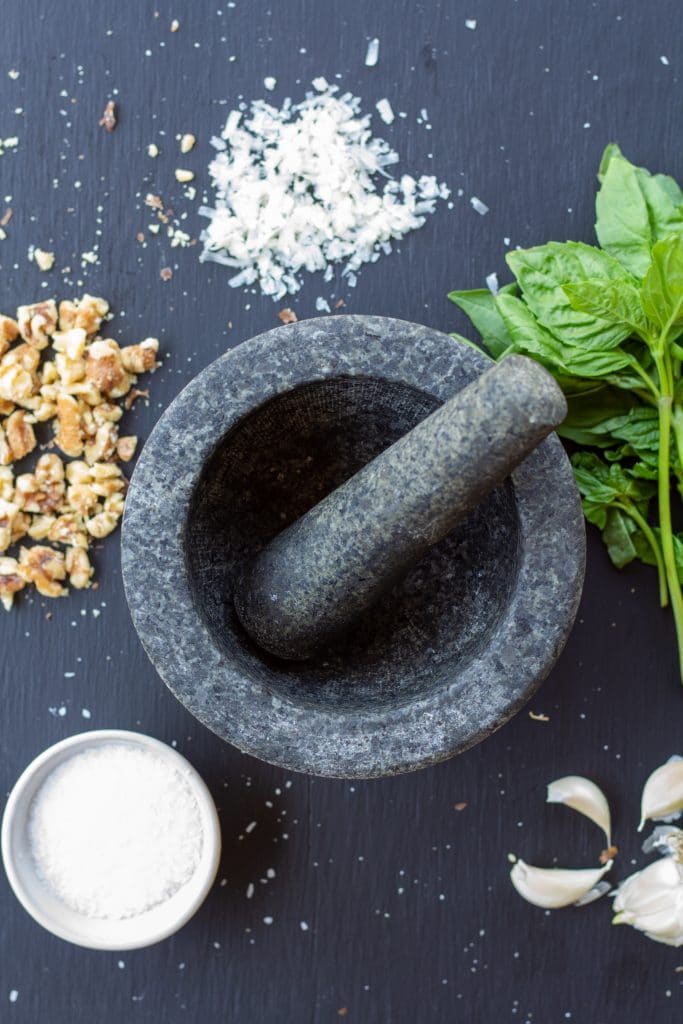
(256, 440)
(324, 573)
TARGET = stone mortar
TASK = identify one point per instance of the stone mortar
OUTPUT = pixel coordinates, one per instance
(256, 440)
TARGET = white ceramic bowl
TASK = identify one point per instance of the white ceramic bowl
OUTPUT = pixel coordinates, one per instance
(98, 933)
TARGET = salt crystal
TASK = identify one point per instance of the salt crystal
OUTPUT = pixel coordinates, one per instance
(480, 207)
(372, 55)
(665, 61)
(250, 890)
(114, 831)
(492, 283)
(320, 84)
(13, 995)
(303, 925)
(384, 110)
(471, 23)
(85, 713)
(269, 83)
(322, 305)
(267, 920)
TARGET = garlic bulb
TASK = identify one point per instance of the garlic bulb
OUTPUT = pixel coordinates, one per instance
(585, 797)
(651, 900)
(555, 887)
(663, 792)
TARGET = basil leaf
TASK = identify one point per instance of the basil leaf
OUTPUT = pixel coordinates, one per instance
(480, 306)
(590, 411)
(617, 301)
(634, 210)
(662, 290)
(466, 341)
(618, 535)
(527, 335)
(542, 273)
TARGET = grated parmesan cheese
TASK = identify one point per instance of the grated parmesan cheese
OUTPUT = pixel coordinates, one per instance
(384, 110)
(297, 190)
(372, 55)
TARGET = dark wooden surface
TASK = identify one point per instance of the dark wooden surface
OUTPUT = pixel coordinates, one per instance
(410, 914)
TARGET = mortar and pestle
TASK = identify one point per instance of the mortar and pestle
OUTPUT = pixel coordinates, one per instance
(351, 548)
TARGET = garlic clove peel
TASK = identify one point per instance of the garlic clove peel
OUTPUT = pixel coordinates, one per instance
(585, 797)
(663, 793)
(552, 888)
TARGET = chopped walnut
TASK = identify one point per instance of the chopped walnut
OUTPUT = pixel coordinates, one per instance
(6, 483)
(79, 568)
(20, 436)
(45, 568)
(141, 358)
(77, 385)
(8, 513)
(86, 313)
(108, 119)
(40, 527)
(9, 331)
(125, 448)
(11, 582)
(102, 524)
(69, 436)
(69, 529)
(16, 384)
(133, 395)
(104, 367)
(103, 445)
(5, 450)
(37, 323)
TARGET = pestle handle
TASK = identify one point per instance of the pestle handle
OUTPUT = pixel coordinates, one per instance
(328, 568)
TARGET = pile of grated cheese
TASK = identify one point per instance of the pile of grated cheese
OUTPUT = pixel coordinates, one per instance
(299, 189)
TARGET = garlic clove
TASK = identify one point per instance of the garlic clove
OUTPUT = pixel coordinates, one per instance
(585, 797)
(552, 888)
(651, 901)
(663, 792)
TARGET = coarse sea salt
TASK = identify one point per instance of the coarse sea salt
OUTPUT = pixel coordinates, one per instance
(299, 189)
(115, 831)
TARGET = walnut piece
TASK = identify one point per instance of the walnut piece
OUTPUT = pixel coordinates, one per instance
(9, 331)
(37, 323)
(79, 568)
(104, 367)
(20, 436)
(11, 581)
(69, 436)
(45, 568)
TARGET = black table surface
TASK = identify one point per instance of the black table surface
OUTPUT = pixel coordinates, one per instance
(410, 914)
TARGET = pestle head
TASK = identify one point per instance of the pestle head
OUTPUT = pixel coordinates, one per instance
(326, 570)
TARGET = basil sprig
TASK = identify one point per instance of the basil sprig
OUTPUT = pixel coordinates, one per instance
(607, 322)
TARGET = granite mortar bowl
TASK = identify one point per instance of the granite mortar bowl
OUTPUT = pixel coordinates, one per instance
(259, 437)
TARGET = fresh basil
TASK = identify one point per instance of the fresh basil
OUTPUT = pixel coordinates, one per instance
(608, 324)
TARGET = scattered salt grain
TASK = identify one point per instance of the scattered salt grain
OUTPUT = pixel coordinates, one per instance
(121, 964)
(175, 25)
(267, 920)
(303, 925)
(13, 995)
(297, 190)
(152, 150)
(269, 83)
(477, 205)
(250, 890)
(492, 283)
(13, 74)
(372, 55)
(114, 831)
(471, 23)
(664, 60)
(85, 713)
(250, 827)
(320, 84)
(384, 110)
(322, 305)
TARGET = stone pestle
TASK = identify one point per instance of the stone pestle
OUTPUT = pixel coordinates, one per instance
(325, 571)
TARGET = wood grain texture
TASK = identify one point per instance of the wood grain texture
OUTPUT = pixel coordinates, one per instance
(410, 914)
